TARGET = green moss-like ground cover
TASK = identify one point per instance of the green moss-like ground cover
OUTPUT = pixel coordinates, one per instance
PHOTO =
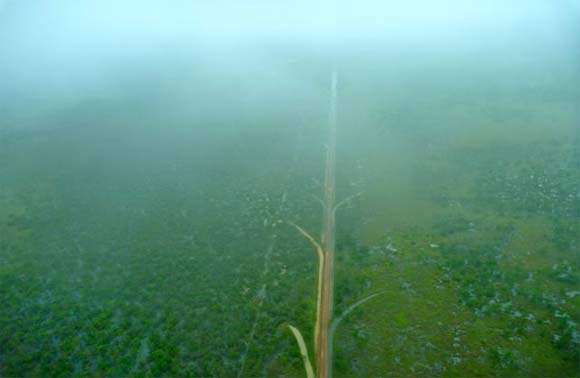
(486, 286)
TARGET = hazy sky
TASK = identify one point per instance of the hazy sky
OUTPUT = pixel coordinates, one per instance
(77, 25)
(62, 42)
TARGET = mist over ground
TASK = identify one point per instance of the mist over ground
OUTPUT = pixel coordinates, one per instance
(63, 52)
(155, 154)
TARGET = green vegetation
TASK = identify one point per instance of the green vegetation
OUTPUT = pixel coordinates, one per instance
(489, 288)
(151, 242)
